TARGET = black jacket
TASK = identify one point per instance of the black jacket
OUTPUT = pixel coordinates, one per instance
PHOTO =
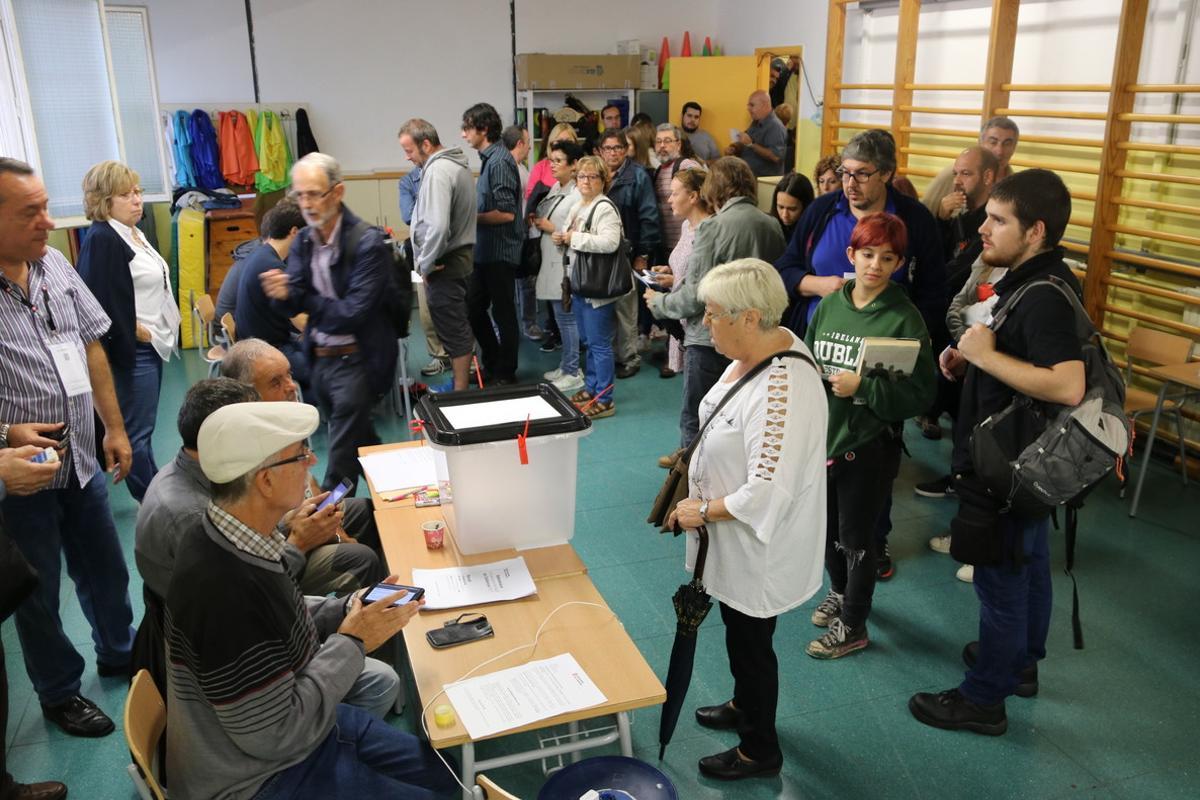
(104, 266)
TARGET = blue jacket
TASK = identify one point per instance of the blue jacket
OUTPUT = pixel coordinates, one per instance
(104, 266)
(634, 196)
(362, 281)
(924, 262)
(206, 158)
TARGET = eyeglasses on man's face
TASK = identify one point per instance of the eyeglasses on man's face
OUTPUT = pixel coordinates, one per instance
(306, 454)
(311, 196)
(612, 148)
(859, 176)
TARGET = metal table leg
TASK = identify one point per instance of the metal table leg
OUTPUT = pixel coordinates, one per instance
(1158, 405)
(623, 732)
(468, 770)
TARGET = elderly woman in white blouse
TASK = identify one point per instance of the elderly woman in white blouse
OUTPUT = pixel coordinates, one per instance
(133, 285)
(757, 482)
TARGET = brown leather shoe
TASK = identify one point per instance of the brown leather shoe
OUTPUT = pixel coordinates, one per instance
(668, 461)
(46, 790)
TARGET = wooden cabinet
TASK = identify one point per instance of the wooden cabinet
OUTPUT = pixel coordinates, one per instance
(226, 230)
(375, 197)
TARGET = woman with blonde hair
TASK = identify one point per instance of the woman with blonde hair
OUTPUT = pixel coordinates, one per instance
(132, 283)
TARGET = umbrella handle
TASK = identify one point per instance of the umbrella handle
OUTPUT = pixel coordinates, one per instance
(701, 554)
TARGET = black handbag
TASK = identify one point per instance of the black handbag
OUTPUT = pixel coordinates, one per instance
(675, 485)
(531, 257)
(602, 276)
(17, 578)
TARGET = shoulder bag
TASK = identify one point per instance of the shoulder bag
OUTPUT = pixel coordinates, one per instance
(602, 276)
(675, 485)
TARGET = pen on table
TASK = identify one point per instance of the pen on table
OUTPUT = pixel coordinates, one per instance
(413, 493)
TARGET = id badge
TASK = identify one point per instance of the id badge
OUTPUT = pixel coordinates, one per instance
(71, 369)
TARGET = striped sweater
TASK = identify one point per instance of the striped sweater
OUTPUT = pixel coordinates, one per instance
(252, 688)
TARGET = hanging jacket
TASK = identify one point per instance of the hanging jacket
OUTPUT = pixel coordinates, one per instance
(274, 157)
(206, 159)
(238, 160)
(185, 172)
(305, 141)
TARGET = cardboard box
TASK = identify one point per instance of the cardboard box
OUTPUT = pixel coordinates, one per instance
(551, 71)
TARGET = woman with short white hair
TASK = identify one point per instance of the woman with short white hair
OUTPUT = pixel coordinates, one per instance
(757, 483)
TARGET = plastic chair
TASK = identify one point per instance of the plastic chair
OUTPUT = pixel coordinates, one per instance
(491, 791)
(145, 721)
(1156, 348)
(203, 308)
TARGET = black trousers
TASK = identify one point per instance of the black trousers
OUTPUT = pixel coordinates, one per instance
(492, 286)
(6, 782)
(858, 487)
(755, 681)
(345, 397)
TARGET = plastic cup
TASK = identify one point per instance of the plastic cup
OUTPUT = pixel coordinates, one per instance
(435, 533)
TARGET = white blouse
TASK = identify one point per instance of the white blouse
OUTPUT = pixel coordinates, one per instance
(154, 302)
(765, 454)
(604, 235)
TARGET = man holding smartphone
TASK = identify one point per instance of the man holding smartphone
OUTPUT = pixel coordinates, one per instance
(257, 673)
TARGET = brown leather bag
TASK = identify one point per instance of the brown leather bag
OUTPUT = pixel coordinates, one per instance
(675, 486)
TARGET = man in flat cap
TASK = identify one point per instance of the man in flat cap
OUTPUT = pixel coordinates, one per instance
(256, 675)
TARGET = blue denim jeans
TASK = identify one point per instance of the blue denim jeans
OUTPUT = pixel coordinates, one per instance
(1014, 613)
(363, 757)
(76, 523)
(702, 367)
(597, 327)
(568, 332)
(137, 392)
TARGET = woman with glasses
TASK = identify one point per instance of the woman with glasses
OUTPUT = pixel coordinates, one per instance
(598, 232)
(549, 217)
(757, 483)
(132, 283)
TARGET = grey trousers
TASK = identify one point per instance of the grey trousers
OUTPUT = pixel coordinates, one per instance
(625, 349)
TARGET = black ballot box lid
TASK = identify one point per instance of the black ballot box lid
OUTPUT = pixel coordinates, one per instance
(477, 416)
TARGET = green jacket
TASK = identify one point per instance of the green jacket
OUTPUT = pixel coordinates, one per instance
(835, 336)
(738, 230)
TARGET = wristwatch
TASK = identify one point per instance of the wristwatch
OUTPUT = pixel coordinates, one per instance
(704, 512)
(4, 434)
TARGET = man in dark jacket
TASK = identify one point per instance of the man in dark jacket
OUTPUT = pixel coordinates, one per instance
(814, 264)
(339, 273)
(633, 193)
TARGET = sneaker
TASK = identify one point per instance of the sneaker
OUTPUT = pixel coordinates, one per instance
(628, 370)
(533, 332)
(966, 573)
(884, 566)
(929, 428)
(435, 367)
(643, 343)
(569, 384)
(951, 711)
(442, 388)
(942, 487)
(553, 375)
(940, 544)
(550, 344)
(838, 641)
(829, 609)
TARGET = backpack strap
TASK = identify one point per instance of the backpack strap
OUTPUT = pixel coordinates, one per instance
(1083, 323)
(1071, 531)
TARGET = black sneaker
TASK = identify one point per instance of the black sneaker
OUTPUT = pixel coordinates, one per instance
(942, 487)
(550, 344)
(951, 711)
(884, 568)
(1027, 678)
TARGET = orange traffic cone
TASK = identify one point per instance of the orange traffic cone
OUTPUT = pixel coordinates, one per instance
(663, 55)
(686, 50)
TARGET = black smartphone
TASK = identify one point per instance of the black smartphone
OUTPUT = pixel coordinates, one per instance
(62, 435)
(382, 590)
(336, 495)
(455, 632)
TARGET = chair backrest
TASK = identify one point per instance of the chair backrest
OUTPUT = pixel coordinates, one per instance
(145, 721)
(230, 328)
(491, 791)
(204, 305)
(1156, 347)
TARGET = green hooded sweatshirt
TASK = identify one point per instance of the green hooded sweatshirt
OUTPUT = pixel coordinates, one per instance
(834, 337)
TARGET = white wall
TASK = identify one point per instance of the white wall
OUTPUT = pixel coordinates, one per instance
(201, 51)
(595, 26)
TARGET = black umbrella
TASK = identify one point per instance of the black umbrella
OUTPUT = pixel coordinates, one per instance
(691, 607)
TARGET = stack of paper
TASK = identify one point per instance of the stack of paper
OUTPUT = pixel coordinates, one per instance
(456, 587)
(403, 468)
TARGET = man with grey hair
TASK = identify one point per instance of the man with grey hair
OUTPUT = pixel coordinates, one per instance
(257, 673)
(999, 136)
(763, 144)
(443, 238)
(339, 272)
(668, 146)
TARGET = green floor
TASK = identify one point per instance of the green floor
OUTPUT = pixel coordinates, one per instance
(1119, 719)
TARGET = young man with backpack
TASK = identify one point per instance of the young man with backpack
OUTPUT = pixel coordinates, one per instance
(1036, 354)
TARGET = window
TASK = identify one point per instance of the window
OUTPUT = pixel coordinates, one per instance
(83, 83)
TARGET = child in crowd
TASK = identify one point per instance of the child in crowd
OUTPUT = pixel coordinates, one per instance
(866, 412)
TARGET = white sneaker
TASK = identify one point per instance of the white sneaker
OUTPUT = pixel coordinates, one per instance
(569, 384)
(966, 573)
(552, 375)
(940, 544)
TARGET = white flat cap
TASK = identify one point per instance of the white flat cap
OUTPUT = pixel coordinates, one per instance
(237, 438)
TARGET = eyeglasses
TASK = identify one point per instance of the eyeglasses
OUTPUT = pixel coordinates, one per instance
(668, 140)
(312, 196)
(587, 176)
(136, 191)
(861, 176)
(710, 315)
(305, 455)
(612, 148)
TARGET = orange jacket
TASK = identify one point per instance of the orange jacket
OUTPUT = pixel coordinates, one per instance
(238, 161)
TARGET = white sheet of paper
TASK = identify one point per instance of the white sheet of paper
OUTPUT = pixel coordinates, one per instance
(416, 277)
(498, 412)
(405, 468)
(647, 278)
(455, 587)
(512, 698)
(71, 368)
(734, 133)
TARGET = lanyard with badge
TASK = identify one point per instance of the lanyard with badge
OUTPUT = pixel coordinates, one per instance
(72, 370)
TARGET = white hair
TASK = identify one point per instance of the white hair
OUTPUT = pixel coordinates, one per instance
(326, 163)
(748, 283)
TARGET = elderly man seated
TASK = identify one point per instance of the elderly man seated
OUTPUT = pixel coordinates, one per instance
(317, 554)
(258, 673)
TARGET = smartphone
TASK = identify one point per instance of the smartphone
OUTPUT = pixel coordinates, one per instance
(336, 495)
(62, 435)
(381, 590)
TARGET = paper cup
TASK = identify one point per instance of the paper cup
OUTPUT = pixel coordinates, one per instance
(435, 533)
